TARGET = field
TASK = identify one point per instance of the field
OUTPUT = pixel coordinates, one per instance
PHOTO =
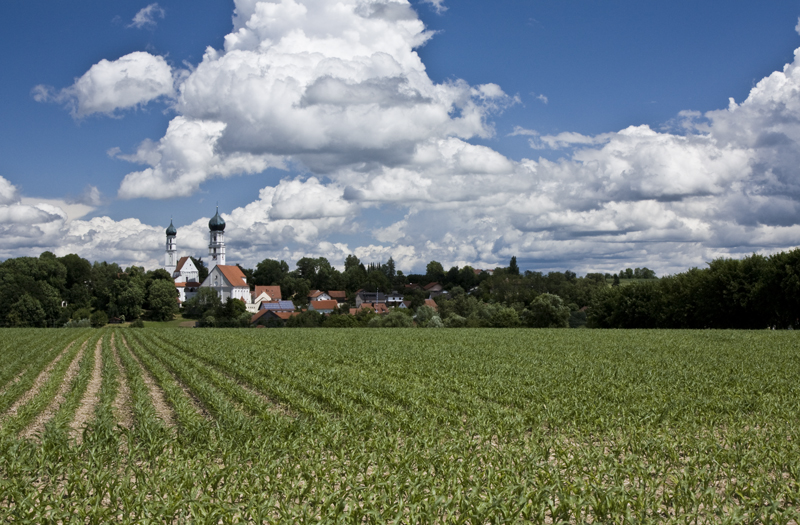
(400, 426)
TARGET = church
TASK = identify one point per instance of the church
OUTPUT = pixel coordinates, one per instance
(227, 280)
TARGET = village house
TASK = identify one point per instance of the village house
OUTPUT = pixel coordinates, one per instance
(318, 295)
(323, 306)
(394, 299)
(263, 294)
(369, 297)
(378, 308)
(339, 295)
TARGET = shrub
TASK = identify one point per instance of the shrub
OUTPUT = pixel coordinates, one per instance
(547, 311)
(455, 321)
(99, 319)
(138, 323)
(397, 319)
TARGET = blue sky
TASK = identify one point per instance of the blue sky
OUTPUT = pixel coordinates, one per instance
(554, 131)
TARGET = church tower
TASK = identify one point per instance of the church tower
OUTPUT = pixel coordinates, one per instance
(172, 249)
(216, 241)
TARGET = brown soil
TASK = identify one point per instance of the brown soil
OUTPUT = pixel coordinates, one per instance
(85, 412)
(160, 404)
(122, 404)
(37, 426)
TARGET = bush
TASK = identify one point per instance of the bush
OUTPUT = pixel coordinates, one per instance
(80, 323)
(424, 314)
(455, 321)
(547, 311)
(340, 321)
(138, 323)
(435, 322)
(397, 319)
(81, 313)
(99, 319)
(505, 318)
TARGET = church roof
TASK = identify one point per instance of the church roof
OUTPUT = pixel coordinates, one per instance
(181, 262)
(234, 275)
(217, 223)
(171, 231)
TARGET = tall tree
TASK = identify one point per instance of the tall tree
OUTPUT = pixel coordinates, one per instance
(513, 269)
(270, 272)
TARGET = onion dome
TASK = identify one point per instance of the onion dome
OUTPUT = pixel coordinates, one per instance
(217, 223)
(171, 231)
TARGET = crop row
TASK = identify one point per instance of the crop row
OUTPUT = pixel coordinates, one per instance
(466, 426)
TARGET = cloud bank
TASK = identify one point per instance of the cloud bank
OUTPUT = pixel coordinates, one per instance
(336, 92)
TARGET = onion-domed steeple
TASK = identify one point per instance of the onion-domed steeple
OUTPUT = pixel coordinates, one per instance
(217, 223)
(171, 231)
(216, 241)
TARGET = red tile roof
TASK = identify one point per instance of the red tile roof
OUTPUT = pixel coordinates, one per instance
(180, 285)
(314, 293)
(432, 304)
(234, 275)
(337, 294)
(432, 285)
(323, 305)
(274, 292)
(378, 308)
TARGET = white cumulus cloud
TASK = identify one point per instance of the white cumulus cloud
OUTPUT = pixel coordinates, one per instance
(109, 86)
(326, 84)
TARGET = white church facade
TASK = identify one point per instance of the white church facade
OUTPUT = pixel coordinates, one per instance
(227, 280)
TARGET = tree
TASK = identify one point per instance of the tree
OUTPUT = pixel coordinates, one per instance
(505, 318)
(27, 311)
(424, 314)
(548, 311)
(232, 310)
(206, 300)
(127, 298)
(513, 269)
(434, 272)
(99, 319)
(162, 297)
(389, 269)
(202, 271)
(351, 262)
(270, 272)
(307, 319)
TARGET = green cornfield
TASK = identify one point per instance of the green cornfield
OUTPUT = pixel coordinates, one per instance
(399, 426)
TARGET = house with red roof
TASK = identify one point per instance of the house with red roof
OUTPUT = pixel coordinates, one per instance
(263, 294)
(323, 306)
(318, 295)
(339, 295)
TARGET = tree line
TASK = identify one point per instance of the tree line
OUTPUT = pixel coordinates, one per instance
(753, 292)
